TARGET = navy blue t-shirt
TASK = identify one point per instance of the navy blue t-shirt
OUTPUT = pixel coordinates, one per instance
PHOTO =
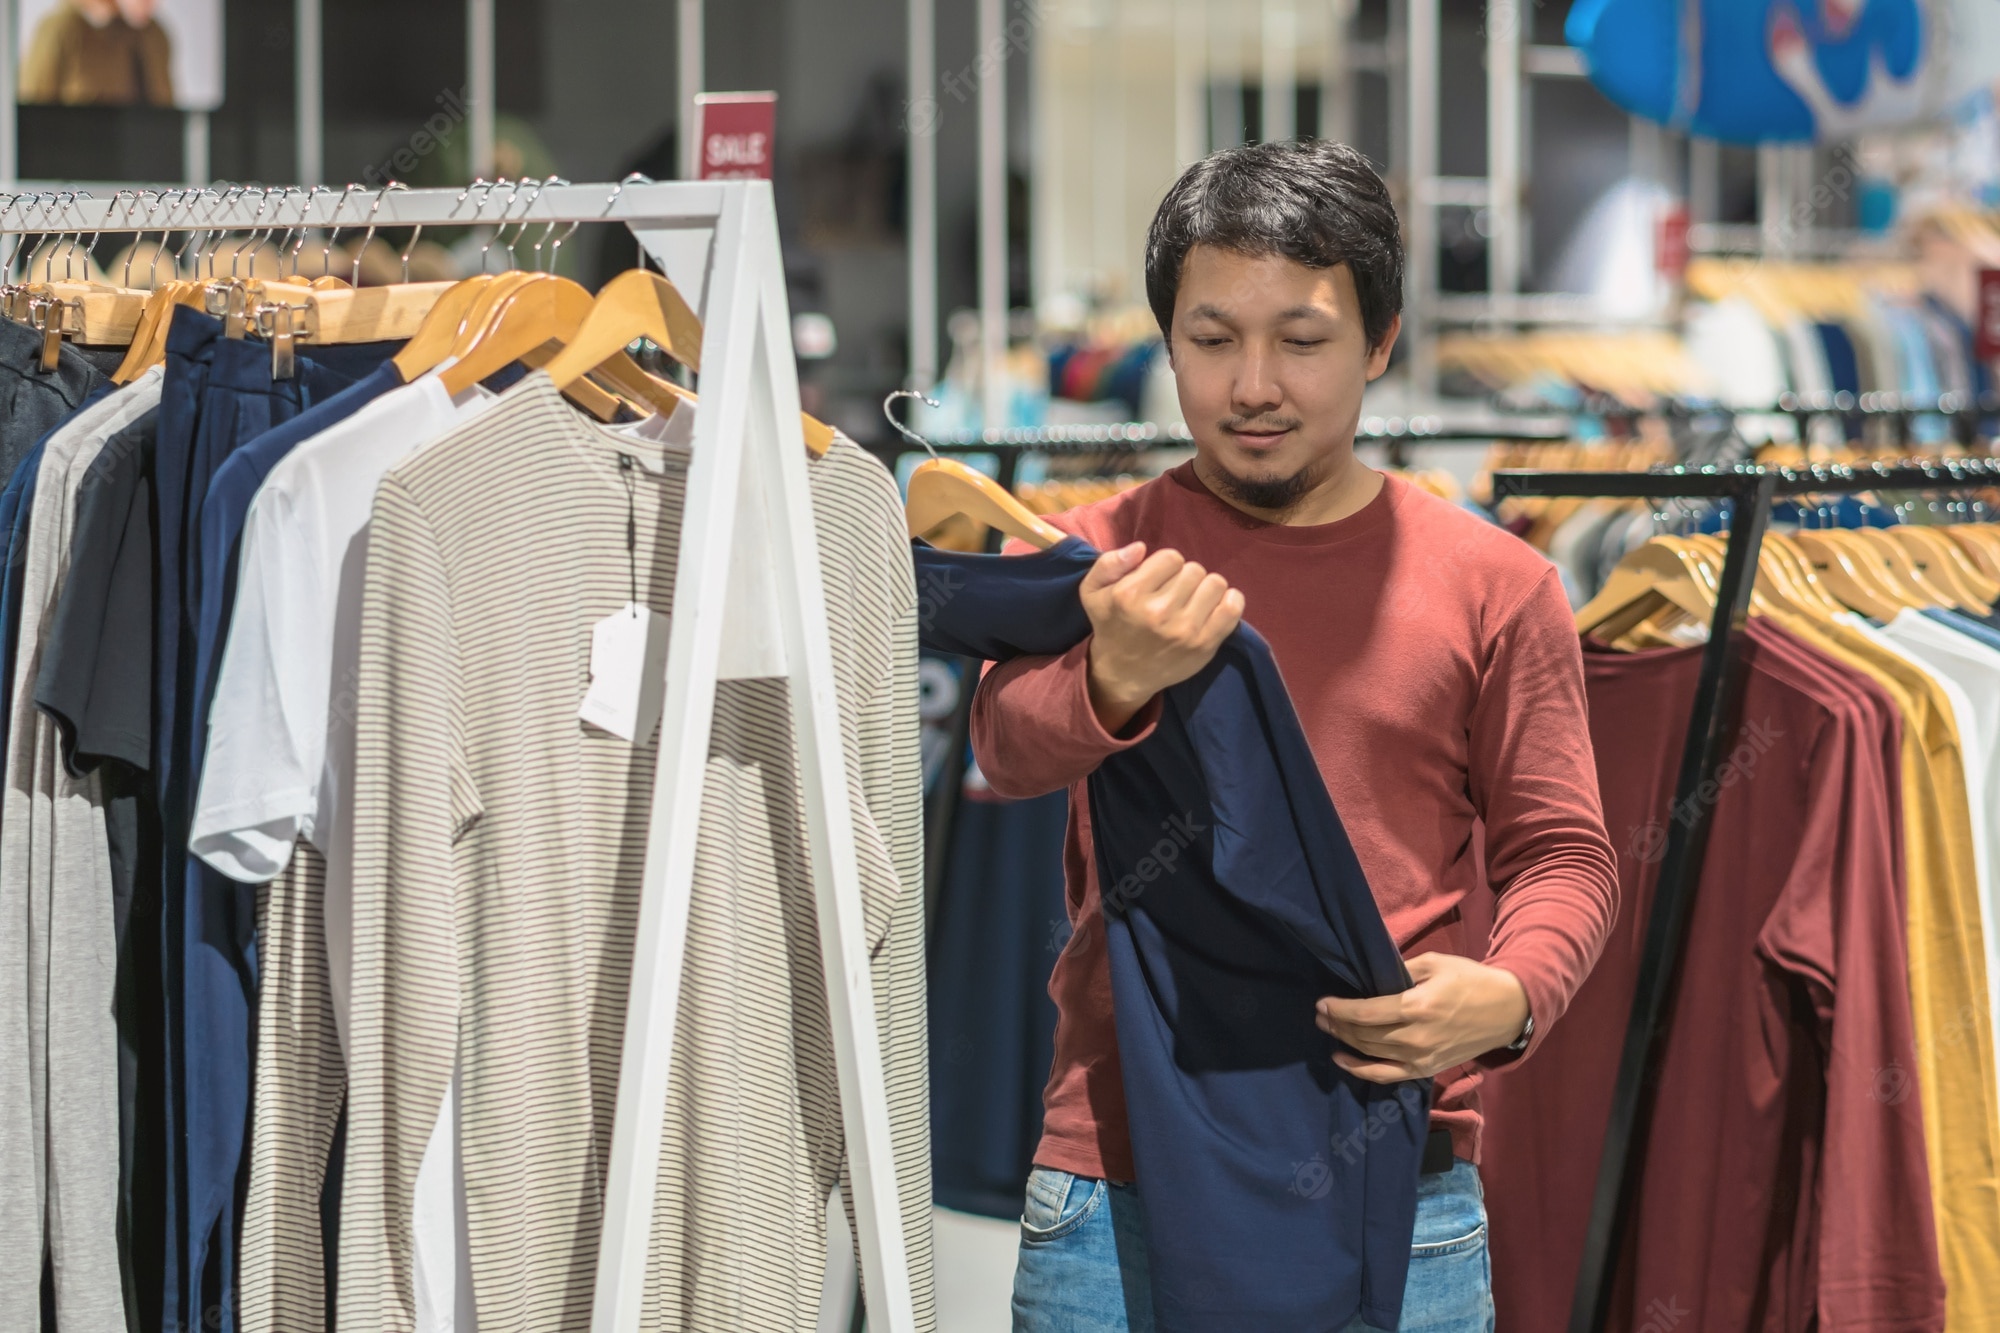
(1279, 1191)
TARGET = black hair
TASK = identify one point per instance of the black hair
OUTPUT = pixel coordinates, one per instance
(1312, 200)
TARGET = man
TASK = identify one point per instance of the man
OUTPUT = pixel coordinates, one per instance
(1433, 665)
(100, 53)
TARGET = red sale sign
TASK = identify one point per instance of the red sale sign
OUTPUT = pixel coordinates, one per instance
(737, 130)
(1987, 335)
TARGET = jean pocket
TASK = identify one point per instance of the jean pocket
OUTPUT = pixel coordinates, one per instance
(1058, 1203)
(1471, 1240)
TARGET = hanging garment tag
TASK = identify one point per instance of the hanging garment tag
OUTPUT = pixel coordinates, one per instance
(628, 684)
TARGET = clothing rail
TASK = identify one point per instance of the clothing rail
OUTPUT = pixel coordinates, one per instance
(745, 581)
(1964, 411)
(659, 215)
(1371, 429)
(1711, 734)
(1395, 434)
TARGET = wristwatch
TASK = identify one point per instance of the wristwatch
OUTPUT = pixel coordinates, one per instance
(1520, 1043)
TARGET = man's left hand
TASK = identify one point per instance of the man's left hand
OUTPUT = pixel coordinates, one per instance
(1457, 1010)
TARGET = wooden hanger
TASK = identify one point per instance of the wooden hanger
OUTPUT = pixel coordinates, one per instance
(1787, 553)
(637, 304)
(1903, 571)
(140, 359)
(435, 337)
(1946, 567)
(1652, 575)
(943, 487)
(91, 312)
(1981, 544)
(542, 308)
(354, 314)
(1844, 576)
(1772, 587)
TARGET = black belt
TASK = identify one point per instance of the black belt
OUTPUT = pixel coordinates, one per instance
(1437, 1153)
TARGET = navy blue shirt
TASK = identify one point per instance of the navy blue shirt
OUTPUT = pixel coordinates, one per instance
(1279, 1191)
(218, 397)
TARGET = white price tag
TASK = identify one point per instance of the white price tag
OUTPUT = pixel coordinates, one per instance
(628, 684)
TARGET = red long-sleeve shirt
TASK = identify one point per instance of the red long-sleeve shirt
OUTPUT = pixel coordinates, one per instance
(1434, 665)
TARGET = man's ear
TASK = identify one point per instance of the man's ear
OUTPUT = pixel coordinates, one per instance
(1378, 356)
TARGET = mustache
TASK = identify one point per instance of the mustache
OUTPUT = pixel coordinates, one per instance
(1261, 425)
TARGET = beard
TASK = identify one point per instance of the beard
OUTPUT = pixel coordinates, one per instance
(1275, 495)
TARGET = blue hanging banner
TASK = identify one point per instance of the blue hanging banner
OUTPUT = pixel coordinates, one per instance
(1788, 71)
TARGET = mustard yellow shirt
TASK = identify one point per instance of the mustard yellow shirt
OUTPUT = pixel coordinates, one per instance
(1948, 997)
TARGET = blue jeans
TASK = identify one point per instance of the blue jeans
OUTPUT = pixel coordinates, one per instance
(1083, 1266)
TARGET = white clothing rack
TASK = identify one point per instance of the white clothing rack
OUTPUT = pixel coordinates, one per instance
(748, 603)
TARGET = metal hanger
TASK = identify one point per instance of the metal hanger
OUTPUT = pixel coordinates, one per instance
(362, 249)
(944, 488)
(550, 231)
(513, 194)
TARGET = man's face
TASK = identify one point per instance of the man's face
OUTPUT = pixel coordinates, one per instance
(138, 13)
(1271, 360)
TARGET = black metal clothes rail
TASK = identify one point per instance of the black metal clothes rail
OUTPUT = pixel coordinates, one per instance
(1711, 734)
(1394, 434)
(1965, 413)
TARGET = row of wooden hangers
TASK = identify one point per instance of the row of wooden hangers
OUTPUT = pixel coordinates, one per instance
(479, 325)
(1636, 366)
(1664, 592)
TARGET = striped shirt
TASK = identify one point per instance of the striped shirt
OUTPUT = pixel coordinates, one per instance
(498, 849)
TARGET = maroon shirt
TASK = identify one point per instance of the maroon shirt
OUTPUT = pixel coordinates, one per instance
(1784, 1185)
(1434, 666)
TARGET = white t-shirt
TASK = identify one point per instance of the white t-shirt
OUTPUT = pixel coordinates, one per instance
(281, 729)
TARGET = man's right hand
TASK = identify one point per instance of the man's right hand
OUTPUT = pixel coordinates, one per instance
(1157, 620)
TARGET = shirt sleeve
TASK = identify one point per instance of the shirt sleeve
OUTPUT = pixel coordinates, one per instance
(1533, 779)
(1034, 730)
(407, 819)
(95, 682)
(267, 724)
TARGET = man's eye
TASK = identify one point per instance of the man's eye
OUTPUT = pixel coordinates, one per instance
(1210, 342)
(1307, 342)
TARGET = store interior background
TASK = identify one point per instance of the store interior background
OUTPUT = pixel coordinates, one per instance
(1105, 101)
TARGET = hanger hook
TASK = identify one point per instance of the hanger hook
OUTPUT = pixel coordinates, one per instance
(212, 243)
(500, 232)
(132, 251)
(62, 198)
(495, 234)
(416, 234)
(550, 230)
(285, 241)
(109, 208)
(153, 269)
(194, 232)
(96, 235)
(326, 250)
(380, 195)
(263, 202)
(631, 178)
(521, 227)
(903, 430)
(305, 229)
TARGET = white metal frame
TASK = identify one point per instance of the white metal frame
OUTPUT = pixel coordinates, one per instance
(748, 602)
(923, 120)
